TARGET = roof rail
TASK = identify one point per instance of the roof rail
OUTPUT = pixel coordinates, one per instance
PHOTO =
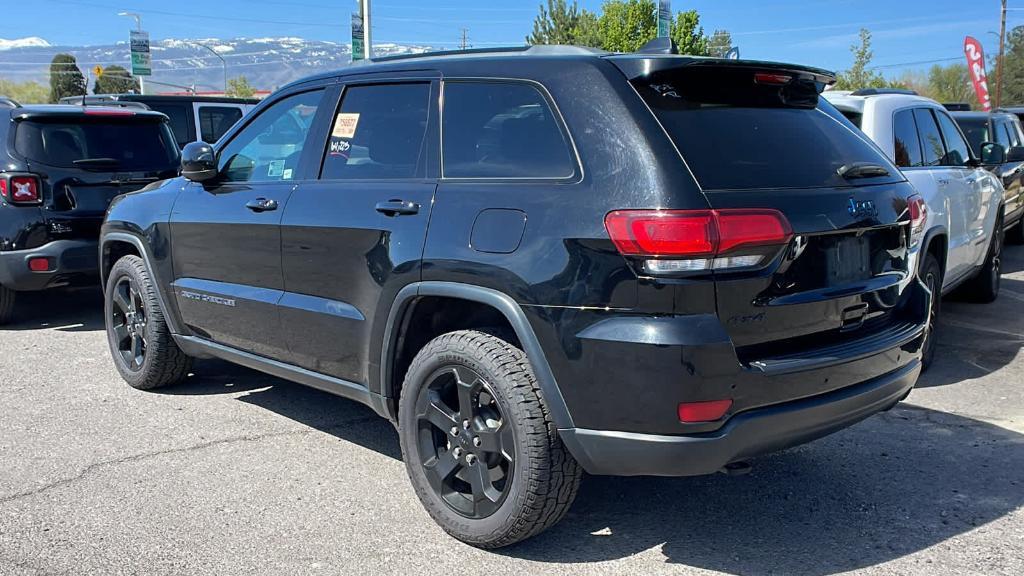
(6, 102)
(883, 91)
(536, 50)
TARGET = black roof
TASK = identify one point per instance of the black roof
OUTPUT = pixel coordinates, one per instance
(487, 61)
(33, 111)
(160, 98)
(975, 115)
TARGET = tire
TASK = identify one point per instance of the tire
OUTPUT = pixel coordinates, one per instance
(984, 287)
(531, 479)
(931, 275)
(7, 298)
(140, 341)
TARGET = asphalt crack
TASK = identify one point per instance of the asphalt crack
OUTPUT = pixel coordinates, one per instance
(181, 450)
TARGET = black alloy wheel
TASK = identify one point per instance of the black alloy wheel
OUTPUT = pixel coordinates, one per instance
(128, 323)
(931, 275)
(466, 446)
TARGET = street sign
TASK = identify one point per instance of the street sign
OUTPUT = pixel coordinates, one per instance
(358, 35)
(664, 18)
(97, 70)
(142, 63)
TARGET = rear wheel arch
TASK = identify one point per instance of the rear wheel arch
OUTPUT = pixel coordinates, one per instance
(110, 244)
(485, 309)
(936, 243)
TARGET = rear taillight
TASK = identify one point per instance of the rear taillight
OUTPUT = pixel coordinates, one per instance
(918, 214)
(679, 241)
(21, 188)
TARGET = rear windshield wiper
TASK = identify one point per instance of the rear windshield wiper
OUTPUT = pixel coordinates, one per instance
(97, 162)
(863, 170)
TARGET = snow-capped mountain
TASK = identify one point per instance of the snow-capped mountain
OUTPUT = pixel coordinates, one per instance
(30, 42)
(266, 62)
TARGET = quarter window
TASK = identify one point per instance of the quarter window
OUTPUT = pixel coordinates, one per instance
(957, 152)
(378, 132)
(931, 139)
(214, 121)
(908, 143)
(269, 148)
(502, 130)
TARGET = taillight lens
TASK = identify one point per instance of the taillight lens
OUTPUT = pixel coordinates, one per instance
(20, 189)
(918, 213)
(694, 240)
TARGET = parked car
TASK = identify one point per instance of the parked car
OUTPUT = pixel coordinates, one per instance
(60, 166)
(1017, 111)
(530, 283)
(204, 118)
(999, 141)
(962, 242)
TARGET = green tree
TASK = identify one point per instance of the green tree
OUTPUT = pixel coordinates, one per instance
(688, 34)
(115, 80)
(861, 75)
(720, 43)
(65, 78)
(28, 92)
(562, 23)
(240, 88)
(951, 84)
(1013, 69)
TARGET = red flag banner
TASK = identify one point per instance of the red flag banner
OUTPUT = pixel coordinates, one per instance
(976, 67)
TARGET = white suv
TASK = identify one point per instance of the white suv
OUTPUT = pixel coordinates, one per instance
(962, 235)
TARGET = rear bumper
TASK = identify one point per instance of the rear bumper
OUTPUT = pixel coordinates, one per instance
(72, 262)
(745, 435)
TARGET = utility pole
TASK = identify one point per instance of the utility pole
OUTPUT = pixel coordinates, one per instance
(1002, 55)
(223, 63)
(464, 43)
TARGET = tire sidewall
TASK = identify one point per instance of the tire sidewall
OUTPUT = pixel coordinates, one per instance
(931, 266)
(128, 268)
(408, 435)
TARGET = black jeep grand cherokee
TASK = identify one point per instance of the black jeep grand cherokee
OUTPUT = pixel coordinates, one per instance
(537, 263)
(60, 166)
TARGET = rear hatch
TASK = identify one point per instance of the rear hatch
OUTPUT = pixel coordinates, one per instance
(85, 157)
(757, 137)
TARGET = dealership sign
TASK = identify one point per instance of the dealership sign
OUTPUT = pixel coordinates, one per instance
(976, 67)
(142, 63)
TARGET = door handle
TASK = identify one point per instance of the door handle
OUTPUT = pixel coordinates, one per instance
(262, 205)
(943, 182)
(398, 208)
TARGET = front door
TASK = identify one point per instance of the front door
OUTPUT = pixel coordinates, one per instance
(227, 234)
(352, 238)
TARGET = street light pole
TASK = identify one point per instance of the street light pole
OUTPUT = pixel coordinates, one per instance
(138, 26)
(223, 64)
(1002, 55)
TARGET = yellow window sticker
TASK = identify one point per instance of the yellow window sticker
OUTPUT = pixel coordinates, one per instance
(345, 125)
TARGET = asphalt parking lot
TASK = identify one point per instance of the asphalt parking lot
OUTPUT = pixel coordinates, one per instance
(239, 473)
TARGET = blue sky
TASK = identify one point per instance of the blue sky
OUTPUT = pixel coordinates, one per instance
(908, 34)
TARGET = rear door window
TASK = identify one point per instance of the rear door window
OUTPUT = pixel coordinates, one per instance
(738, 134)
(378, 132)
(908, 143)
(931, 139)
(214, 121)
(957, 152)
(502, 130)
(98, 142)
(178, 115)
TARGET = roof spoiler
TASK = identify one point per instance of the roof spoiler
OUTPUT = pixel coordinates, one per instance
(642, 64)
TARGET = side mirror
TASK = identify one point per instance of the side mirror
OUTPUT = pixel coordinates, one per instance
(992, 153)
(199, 162)
(1015, 154)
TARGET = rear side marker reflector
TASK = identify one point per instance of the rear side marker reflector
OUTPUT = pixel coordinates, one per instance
(39, 264)
(692, 412)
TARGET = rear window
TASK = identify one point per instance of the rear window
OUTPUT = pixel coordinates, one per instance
(214, 121)
(736, 134)
(178, 114)
(114, 144)
(976, 131)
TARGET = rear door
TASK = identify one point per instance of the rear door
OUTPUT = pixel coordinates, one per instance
(953, 190)
(353, 237)
(970, 184)
(227, 234)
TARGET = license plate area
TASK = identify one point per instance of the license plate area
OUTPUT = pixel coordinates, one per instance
(848, 259)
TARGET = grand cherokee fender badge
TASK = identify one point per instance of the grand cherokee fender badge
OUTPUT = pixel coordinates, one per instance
(188, 295)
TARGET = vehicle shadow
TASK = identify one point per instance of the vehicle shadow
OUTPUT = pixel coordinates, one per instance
(975, 340)
(893, 485)
(66, 310)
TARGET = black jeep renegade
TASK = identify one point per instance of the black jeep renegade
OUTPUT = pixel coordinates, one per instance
(535, 263)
